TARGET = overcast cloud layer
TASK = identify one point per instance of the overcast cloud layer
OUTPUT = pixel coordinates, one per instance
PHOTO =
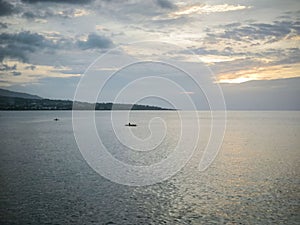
(252, 47)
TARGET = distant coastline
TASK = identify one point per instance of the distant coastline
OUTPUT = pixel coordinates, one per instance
(22, 101)
(12, 103)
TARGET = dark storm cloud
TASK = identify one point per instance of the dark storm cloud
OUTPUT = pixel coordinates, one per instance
(165, 4)
(25, 39)
(12, 52)
(6, 8)
(267, 33)
(18, 45)
(59, 1)
(95, 41)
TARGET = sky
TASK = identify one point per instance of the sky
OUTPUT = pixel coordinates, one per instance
(248, 48)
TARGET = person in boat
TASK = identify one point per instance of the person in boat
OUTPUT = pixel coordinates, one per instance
(131, 124)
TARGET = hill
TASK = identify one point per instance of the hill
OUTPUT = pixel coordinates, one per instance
(10, 100)
(13, 94)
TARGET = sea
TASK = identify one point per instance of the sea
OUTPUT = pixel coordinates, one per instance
(46, 178)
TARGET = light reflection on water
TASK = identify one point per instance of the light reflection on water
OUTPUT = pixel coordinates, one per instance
(254, 180)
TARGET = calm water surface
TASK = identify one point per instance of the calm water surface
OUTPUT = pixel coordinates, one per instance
(254, 180)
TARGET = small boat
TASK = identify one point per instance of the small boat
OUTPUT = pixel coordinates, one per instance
(130, 125)
(56, 119)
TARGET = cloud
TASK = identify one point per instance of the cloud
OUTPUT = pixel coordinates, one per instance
(32, 76)
(5, 67)
(288, 56)
(31, 67)
(227, 51)
(187, 92)
(270, 72)
(48, 13)
(12, 52)
(265, 65)
(15, 73)
(3, 25)
(31, 40)
(206, 9)
(38, 14)
(232, 65)
(18, 45)
(37, 48)
(95, 41)
(6, 8)
(210, 56)
(165, 4)
(185, 13)
(59, 1)
(253, 32)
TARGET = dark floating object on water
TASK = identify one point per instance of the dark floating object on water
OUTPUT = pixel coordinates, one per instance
(56, 119)
(130, 125)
